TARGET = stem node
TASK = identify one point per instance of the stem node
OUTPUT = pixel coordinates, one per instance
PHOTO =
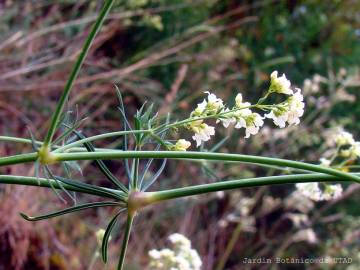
(138, 200)
(46, 157)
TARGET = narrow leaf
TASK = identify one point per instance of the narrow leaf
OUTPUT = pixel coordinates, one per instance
(94, 189)
(125, 122)
(101, 165)
(69, 130)
(219, 144)
(69, 210)
(53, 188)
(59, 184)
(105, 242)
(156, 176)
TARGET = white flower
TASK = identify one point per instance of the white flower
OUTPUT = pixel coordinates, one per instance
(253, 124)
(241, 116)
(280, 85)
(290, 113)
(296, 107)
(180, 240)
(325, 162)
(240, 123)
(195, 259)
(239, 101)
(180, 257)
(203, 132)
(344, 138)
(200, 109)
(355, 149)
(332, 192)
(162, 259)
(313, 191)
(214, 103)
(310, 190)
(210, 106)
(278, 117)
(181, 145)
(226, 118)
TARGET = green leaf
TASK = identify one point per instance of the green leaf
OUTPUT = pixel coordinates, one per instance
(125, 122)
(219, 144)
(33, 141)
(156, 176)
(101, 165)
(94, 189)
(105, 242)
(74, 166)
(46, 174)
(69, 130)
(69, 210)
(47, 170)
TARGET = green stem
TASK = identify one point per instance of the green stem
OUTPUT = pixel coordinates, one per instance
(230, 246)
(99, 137)
(23, 158)
(135, 178)
(205, 156)
(40, 143)
(18, 140)
(75, 72)
(240, 183)
(42, 182)
(181, 155)
(126, 238)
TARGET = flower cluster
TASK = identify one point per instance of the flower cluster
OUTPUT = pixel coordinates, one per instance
(345, 148)
(292, 109)
(241, 115)
(349, 147)
(315, 193)
(180, 257)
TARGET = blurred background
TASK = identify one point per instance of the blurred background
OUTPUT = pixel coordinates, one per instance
(169, 52)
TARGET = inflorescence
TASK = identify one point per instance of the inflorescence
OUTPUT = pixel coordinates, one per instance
(242, 115)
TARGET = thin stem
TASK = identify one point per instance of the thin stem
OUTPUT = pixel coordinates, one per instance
(230, 246)
(135, 178)
(23, 158)
(18, 140)
(126, 238)
(205, 156)
(100, 137)
(165, 127)
(40, 143)
(42, 182)
(181, 155)
(240, 183)
(75, 72)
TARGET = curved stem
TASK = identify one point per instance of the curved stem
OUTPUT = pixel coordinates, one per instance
(16, 159)
(205, 156)
(42, 182)
(99, 137)
(182, 155)
(240, 183)
(40, 143)
(69, 210)
(18, 140)
(75, 72)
